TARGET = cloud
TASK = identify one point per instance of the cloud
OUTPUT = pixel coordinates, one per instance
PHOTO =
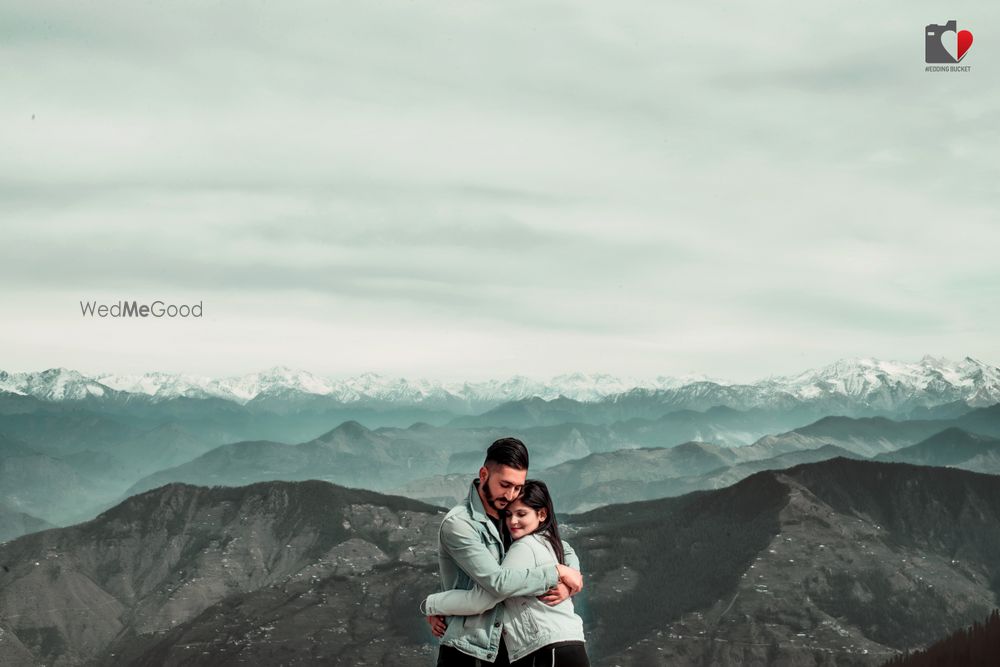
(620, 187)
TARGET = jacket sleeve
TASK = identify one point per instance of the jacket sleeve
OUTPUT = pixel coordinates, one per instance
(463, 544)
(477, 600)
(571, 558)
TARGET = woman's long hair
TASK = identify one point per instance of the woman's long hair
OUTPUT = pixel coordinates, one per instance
(535, 495)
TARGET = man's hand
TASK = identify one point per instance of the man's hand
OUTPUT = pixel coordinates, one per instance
(438, 625)
(570, 577)
(555, 595)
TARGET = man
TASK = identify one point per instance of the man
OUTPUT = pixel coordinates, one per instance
(471, 544)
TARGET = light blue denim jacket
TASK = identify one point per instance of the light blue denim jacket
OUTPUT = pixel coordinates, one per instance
(469, 552)
(528, 623)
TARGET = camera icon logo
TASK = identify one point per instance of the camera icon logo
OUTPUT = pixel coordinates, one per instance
(940, 47)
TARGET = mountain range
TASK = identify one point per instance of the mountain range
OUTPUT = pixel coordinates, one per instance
(859, 386)
(841, 562)
(379, 458)
(66, 466)
(838, 516)
(643, 472)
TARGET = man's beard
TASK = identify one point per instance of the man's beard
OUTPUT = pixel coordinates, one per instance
(490, 499)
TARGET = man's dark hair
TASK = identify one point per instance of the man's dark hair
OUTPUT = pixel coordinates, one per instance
(509, 452)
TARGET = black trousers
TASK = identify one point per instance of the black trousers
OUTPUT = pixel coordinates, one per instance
(561, 654)
(449, 656)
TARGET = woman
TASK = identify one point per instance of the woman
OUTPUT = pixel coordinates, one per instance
(536, 634)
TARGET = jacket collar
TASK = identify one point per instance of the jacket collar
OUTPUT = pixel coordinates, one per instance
(476, 510)
(475, 503)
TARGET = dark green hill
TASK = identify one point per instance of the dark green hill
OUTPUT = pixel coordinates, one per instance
(110, 587)
(976, 646)
(793, 564)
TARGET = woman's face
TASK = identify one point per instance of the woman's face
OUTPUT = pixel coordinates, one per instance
(523, 520)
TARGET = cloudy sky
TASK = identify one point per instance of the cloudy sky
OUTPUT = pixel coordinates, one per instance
(473, 189)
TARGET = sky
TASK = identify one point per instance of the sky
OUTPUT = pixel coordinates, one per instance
(471, 190)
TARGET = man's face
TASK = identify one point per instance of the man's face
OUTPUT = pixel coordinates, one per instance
(501, 485)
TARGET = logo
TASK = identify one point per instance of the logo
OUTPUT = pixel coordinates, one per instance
(135, 309)
(945, 44)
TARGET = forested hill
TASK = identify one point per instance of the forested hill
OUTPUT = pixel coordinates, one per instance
(976, 646)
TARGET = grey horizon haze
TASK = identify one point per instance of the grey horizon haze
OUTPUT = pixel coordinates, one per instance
(459, 190)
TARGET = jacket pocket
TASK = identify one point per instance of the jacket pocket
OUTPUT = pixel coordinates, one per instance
(523, 624)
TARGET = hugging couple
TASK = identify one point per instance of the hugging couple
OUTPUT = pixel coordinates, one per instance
(506, 576)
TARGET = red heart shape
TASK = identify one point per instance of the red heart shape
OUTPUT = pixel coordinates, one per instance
(964, 42)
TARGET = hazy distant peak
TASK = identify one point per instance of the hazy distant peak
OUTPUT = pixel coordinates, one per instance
(349, 429)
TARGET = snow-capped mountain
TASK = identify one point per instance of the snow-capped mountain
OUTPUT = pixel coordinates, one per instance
(161, 385)
(863, 383)
(884, 384)
(281, 381)
(54, 384)
(273, 381)
(238, 388)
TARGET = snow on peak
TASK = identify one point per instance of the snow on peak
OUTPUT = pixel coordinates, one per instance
(881, 383)
(53, 384)
(866, 381)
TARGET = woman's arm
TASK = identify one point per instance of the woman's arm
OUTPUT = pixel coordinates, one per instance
(476, 600)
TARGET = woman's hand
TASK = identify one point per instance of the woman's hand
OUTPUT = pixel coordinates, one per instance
(438, 625)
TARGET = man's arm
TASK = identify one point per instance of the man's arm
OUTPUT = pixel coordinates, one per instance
(464, 545)
(459, 603)
(438, 624)
(477, 600)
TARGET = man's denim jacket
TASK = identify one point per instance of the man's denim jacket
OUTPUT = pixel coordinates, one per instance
(469, 551)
